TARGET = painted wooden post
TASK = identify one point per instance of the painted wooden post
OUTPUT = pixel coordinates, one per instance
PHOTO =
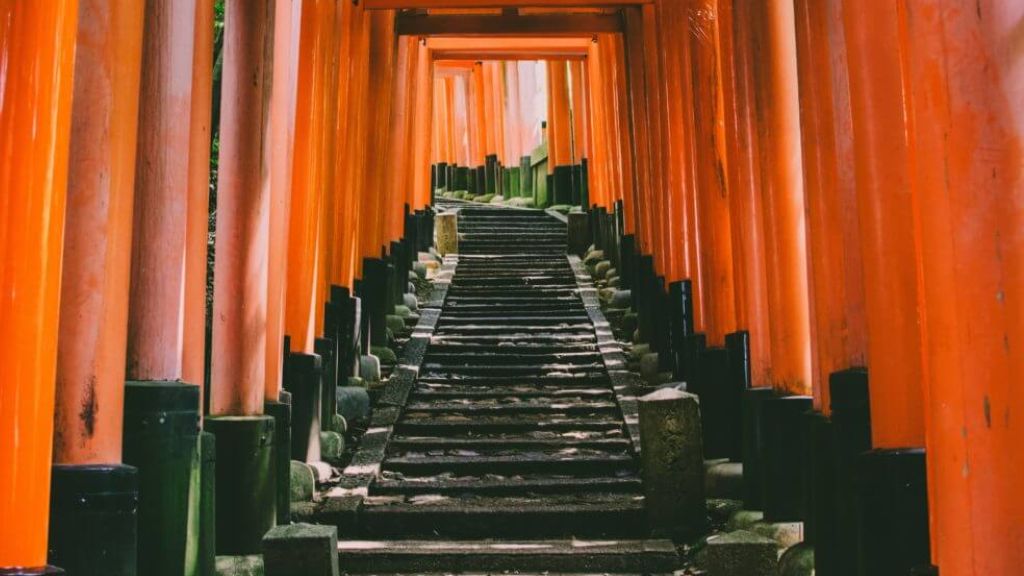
(837, 285)
(743, 176)
(884, 184)
(717, 299)
(783, 200)
(37, 44)
(968, 135)
(246, 477)
(89, 415)
(892, 477)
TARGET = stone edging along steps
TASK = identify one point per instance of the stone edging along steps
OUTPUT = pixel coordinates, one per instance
(510, 417)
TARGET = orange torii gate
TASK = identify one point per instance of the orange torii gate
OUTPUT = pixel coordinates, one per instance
(793, 192)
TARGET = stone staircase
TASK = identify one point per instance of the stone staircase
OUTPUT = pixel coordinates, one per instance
(511, 454)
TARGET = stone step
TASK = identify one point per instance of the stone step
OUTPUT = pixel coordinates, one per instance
(578, 515)
(494, 485)
(487, 408)
(579, 328)
(579, 318)
(508, 556)
(440, 426)
(518, 337)
(427, 393)
(547, 381)
(525, 463)
(518, 348)
(510, 442)
(509, 356)
(512, 369)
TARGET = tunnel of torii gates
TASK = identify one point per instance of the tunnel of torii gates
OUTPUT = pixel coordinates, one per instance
(832, 187)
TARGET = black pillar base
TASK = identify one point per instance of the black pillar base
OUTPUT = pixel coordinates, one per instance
(680, 311)
(326, 349)
(281, 412)
(851, 424)
(303, 380)
(738, 382)
(208, 505)
(820, 496)
(562, 182)
(375, 300)
(93, 519)
(161, 440)
(40, 571)
(753, 447)
(719, 416)
(246, 482)
(784, 436)
(893, 511)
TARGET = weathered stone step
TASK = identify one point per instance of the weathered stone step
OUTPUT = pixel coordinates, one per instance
(506, 556)
(427, 393)
(475, 407)
(521, 348)
(499, 329)
(442, 426)
(507, 442)
(540, 320)
(492, 485)
(517, 337)
(511, 355)
(557, 380)
(510, 369)
(579, 515)
(551, 464)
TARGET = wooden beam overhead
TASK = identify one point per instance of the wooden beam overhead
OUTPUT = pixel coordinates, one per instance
(546, 25)
(406, 4)
(453, 55)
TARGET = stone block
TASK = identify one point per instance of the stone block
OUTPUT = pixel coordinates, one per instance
(601, 269)
(369, 368)
(594, 257)
(725, 480)
(303, 482)
(621, 299)
(740, 553)
(395, 323)
(240, 565)
(403, 312)
(410, 302)
(301, 550)
(332, 446)
(354, 404)
(672, 461)
(446, 233)
(797, 561)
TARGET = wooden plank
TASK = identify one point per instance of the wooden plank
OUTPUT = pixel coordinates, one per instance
(546, 25)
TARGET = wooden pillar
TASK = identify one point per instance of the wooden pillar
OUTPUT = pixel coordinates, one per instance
(306, 191)
(717, 300)
(783, 198)
(193, 360)
(98, 231)
(156, 319)
(37, 45)
(282, 126)
(968, 135)
(743, 179)
(641, 148)
(882, 153)
(837, 287)
(243, 217)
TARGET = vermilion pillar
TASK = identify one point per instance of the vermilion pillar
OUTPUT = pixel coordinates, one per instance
(743, 177)
(837, 288)
(37, 45)
(282, 130)
(89, 415)
(717, 299)
(193, 363)
(243, 201)
(892, 478)
(882, 154)
(968, 134)
(246, 476)
(783, 198)
(156, 321)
